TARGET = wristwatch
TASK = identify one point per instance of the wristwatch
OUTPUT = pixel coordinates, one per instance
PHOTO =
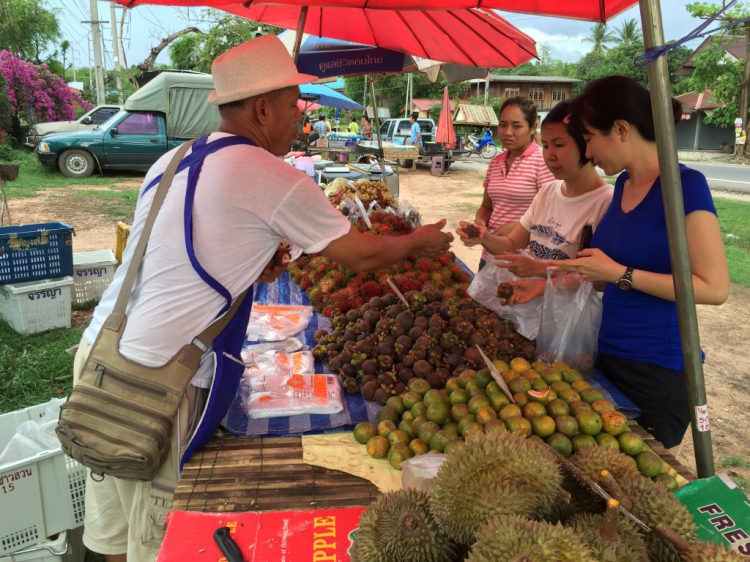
(625, 283)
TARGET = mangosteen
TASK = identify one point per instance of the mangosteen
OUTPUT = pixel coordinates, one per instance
(350, 385)
(368, 378)
(348, 370)
(472, 356)
(422, 368)
(333, 346)
(405, 319)
(419, 351)
(370, 389)
(397, 331)
(363, 346)
(399, 387)
(319, 334)
(381, 396)
(385, 349)
(409, 361)
(385, 362)
(415, 333)
(437, 322)
(476, 339)
(335, 364)
(369, 366)
(454, 361)
(405, 375)
(363, 326)
(352, 315)
(429, 310)
(371, 316)
(434, 380)
(389, 299)
(376, 303)
(434, 354)
(422, 322)
(404, 341)
(383, 325)
(393, 310)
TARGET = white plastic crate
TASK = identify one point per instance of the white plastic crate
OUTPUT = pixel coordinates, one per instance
(66, 547)
(40, 495)
(37, 306)
(92, 274)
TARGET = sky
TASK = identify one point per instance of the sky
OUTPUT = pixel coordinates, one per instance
(146, 25)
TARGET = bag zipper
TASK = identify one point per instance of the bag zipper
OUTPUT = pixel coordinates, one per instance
(127, 423)
(167, 424)
(130, 381)
(144, 453)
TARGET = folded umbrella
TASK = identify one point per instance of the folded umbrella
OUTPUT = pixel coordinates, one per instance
(445, 132)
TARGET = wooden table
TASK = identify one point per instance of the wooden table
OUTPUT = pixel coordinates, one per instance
(264, 474)
(268, 474)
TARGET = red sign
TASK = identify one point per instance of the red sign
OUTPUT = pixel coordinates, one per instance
(286, 536)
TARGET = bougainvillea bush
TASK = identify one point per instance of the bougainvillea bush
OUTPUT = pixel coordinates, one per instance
(35, 94)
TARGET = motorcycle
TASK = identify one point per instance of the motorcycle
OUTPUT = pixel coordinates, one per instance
(484, 146)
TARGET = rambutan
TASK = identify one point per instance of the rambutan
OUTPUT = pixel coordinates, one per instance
(370, 289)
(305, 283)
(424, 277)
(406, 265)
(410, 285)
(328, 311)
(424, 265)
(444, 259)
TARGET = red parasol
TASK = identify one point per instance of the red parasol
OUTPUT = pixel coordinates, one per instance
(445, 132)
(591, 10)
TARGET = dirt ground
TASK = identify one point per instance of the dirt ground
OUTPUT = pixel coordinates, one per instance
(725, 336)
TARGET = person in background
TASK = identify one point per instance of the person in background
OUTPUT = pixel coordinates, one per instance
(321, 126)
(306, 126)
(415, 138)
(246, 202)
(639, 348)
(515, 175)
(553, 225)
(353, 126)
(366, 129)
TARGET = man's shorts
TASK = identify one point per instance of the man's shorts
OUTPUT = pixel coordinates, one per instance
(124, 516)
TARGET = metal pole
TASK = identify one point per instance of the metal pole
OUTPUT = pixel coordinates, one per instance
(671, 187)
(88, 44)
(486, 89)
(300, 32)
(375, 117)
(745, 95)
(364, 95)
(116, 51)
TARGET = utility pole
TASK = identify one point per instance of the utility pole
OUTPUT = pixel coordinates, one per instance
(88, 44)
(741, 150)
(97, 41)
(73, 51)
(116, 51)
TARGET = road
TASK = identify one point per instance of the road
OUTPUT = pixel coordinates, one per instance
(731, 177)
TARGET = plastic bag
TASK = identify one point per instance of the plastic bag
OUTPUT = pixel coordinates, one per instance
(571, 317)
(419, 472)
(34, 436)
(278, 363)
(483, 288)
(274, 322)
(272, 395)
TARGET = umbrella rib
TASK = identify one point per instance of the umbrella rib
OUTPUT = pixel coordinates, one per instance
(490, 21)
(455, 44)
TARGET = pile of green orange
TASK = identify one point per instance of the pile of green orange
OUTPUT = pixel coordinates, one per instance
(551, 403)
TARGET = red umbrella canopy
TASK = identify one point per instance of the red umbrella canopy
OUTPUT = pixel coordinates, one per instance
(445, 132)
(592, 10)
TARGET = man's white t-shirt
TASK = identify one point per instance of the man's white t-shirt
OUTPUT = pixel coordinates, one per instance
(555, 222)
(246, 202)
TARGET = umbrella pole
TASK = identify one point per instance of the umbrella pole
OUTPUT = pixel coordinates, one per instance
(671, 187)
(375, 117)
(300, 32)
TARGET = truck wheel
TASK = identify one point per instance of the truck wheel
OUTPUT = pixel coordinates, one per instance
(77, 164)
(489, 151)
(406, 163)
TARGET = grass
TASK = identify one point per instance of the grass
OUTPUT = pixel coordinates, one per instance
(116, 204)
(734, 221)
(734, 462)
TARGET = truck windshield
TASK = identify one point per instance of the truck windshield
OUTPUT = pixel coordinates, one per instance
(112, 120)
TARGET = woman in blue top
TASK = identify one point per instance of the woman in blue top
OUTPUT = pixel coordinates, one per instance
(639, 341)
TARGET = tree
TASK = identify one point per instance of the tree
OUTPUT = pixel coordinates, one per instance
(628, 32)
(64, 46)
(27, 28)
(35, 93)
(600, 35)
(147, 64)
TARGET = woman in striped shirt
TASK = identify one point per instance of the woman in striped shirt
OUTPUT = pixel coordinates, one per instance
(515, 175)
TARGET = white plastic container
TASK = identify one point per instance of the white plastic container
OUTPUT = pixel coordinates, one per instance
(37, 306)
(66, 547)
(39, 496)
(92, 274)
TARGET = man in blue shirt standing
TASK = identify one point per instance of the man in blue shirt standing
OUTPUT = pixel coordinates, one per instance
(416, 137)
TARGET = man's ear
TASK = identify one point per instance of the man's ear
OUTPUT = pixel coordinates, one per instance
(262, 110)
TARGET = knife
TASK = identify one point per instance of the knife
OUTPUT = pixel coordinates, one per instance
(227, 545)
(496, 375)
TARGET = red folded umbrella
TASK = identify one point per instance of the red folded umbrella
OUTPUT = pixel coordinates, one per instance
(592, 10)
(445, 132)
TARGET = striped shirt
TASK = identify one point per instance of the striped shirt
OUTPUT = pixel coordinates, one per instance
(512, 193)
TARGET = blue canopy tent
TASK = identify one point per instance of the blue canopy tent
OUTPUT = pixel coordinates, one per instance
(326, 96)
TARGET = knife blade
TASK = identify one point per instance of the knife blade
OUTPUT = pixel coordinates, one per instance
(399, 294)
(226, 544)
(496, 375)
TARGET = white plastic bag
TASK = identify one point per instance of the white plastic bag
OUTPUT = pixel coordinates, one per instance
(274, 322)
(571, 318)
(483, 288)
(34, 436)
(271, 396)
(419, 472)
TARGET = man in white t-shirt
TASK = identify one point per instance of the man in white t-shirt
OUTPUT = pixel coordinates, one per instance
(226, 226)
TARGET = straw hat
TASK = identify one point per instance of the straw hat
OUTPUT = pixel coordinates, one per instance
(252, 68)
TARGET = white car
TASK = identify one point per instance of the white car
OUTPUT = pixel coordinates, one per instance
(88, 120)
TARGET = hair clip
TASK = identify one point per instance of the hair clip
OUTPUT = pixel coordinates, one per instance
(567, 119)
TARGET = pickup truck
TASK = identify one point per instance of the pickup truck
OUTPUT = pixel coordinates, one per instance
(399, 131)
(163, 114)
(88, 120)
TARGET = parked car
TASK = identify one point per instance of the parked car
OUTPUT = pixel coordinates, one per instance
(399, 132)
(169, 110)
(88, 120)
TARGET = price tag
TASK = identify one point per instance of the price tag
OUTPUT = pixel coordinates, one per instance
(701, 418)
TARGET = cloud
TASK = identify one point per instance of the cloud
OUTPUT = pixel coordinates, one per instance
(568, 48)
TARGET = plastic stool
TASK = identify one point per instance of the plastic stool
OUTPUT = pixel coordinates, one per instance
(438, 166)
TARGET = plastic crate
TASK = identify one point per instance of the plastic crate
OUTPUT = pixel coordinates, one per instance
(40, 495)
(37, 306)
(66, 547)
(35, 251)
(92, 274)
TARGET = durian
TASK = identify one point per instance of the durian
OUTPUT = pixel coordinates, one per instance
(492, 475)
(592, 460)
(398, 527)
(514, 538)
(654, 505)
(710, 552)
(611, 538)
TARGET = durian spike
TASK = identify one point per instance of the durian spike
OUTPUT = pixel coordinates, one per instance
(564, 496)
(688, 553)
(613, 489)
(611, 517)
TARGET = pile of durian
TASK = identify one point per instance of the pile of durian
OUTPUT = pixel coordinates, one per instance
(502, 498)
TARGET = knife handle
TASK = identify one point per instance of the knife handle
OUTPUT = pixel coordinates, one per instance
(227, 545)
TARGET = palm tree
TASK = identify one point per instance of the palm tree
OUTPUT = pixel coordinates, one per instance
(64, 46)
(599, 36)
(628, 32)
